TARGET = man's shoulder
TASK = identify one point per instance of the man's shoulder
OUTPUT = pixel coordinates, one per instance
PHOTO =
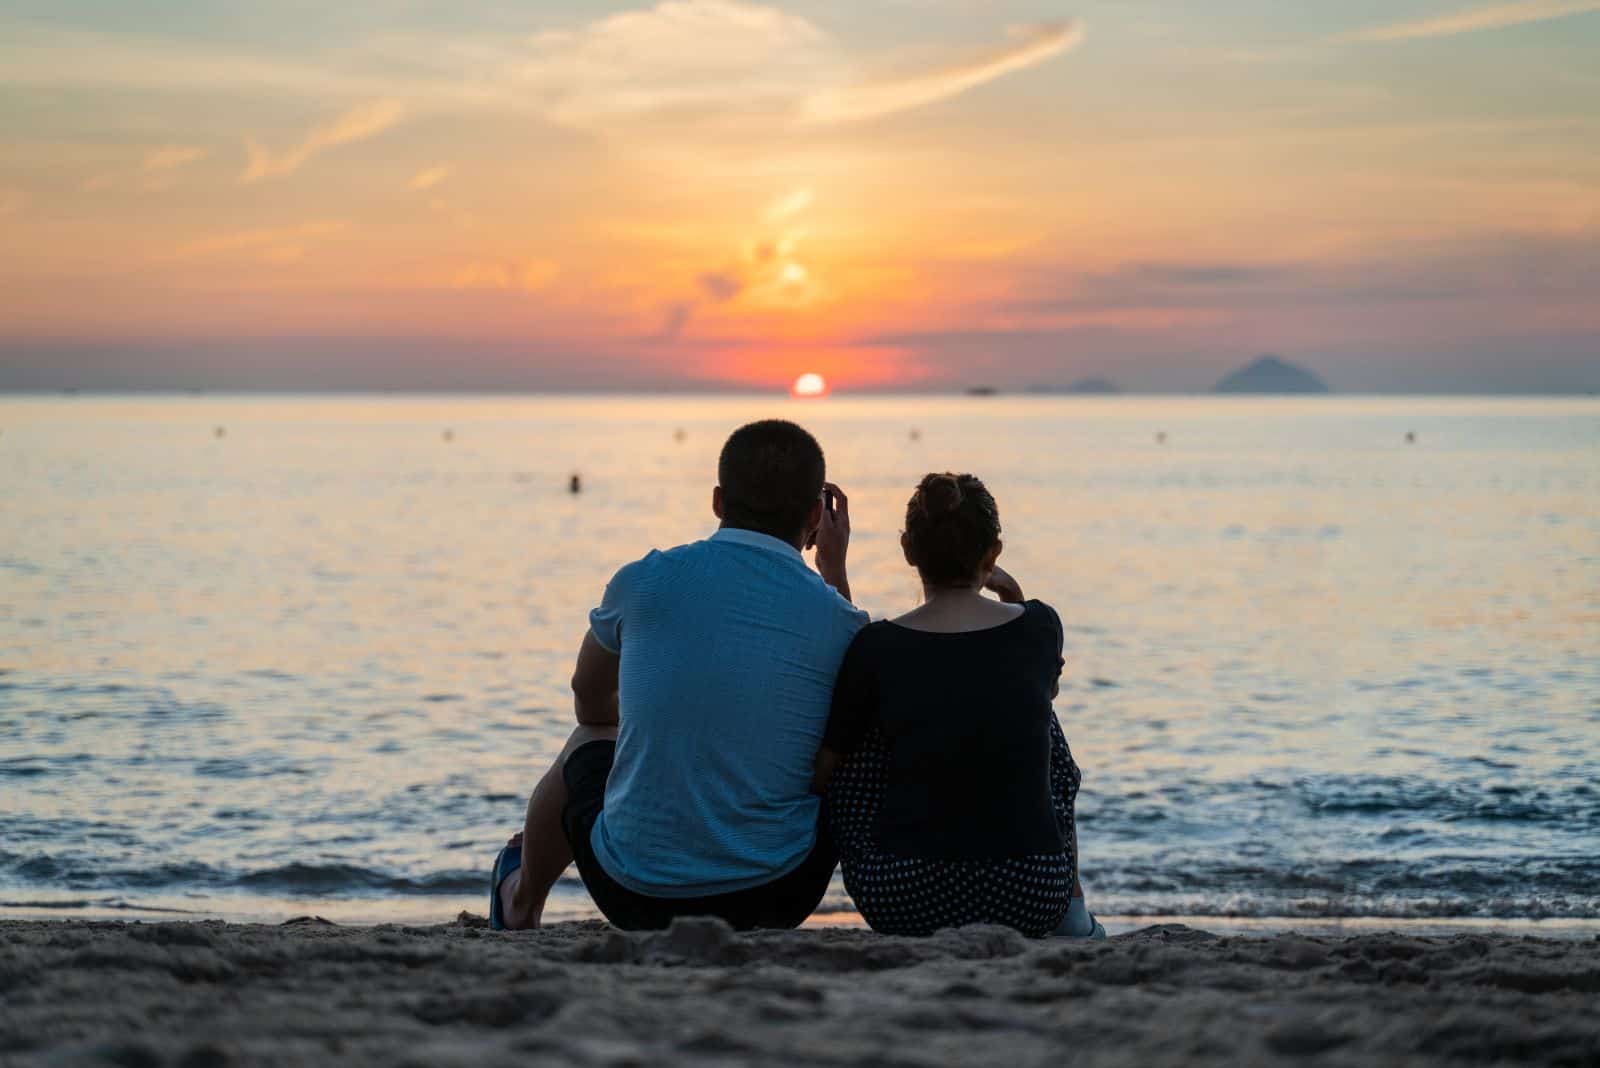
(656, 559)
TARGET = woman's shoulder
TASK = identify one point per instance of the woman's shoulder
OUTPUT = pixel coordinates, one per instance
(1046, 615)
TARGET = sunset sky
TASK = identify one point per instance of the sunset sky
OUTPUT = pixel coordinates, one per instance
(1399, 194)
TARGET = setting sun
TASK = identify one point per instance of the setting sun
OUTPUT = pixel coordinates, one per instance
(809, 384)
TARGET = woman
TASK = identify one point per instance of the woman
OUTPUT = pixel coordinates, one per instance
(950, 786)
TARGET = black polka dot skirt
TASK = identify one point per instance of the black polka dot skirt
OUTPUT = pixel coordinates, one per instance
(918, 895)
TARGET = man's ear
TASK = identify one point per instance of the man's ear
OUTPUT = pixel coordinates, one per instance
(814, 516)
(716, 501)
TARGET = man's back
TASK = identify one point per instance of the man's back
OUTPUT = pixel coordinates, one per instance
(729, 648)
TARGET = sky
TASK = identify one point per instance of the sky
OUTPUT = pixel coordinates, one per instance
(1402, 195)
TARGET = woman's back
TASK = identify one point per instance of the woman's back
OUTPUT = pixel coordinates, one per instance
(965, 718)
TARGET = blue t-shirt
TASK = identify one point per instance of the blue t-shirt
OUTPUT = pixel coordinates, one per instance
(729, 651)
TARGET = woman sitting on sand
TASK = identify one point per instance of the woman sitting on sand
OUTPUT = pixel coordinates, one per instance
(950, 785)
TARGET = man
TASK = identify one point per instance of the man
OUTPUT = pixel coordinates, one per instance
(702, 690)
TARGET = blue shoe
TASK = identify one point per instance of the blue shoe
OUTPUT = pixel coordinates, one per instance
(508, 860)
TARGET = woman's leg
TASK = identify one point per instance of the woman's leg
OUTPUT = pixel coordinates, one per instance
(1065, 777)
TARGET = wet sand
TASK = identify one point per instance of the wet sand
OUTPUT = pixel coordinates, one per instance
(212, 993)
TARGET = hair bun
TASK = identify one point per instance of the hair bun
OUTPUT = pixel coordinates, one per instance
(941, 495)
(951, 522)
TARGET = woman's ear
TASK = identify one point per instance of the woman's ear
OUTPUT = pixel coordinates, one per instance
(990, 558)
(905, 547)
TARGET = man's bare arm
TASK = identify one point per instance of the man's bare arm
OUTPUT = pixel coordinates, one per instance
(594, 684)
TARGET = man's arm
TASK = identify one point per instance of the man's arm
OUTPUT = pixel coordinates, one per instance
(594, 684)
(833, 542)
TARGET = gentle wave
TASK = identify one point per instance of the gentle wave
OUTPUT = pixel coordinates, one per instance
(43, 871)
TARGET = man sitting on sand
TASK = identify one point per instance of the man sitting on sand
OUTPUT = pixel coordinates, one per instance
(702, 690)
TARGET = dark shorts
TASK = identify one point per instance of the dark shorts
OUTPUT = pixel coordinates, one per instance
(783, 903)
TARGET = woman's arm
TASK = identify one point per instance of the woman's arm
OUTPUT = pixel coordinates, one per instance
(1003, 586)
(822, 771)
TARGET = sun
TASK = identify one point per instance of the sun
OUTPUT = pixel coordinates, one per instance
(809, 384)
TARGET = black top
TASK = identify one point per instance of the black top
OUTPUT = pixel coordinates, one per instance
(967, 720)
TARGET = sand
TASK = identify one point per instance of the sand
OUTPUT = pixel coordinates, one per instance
(198, 994)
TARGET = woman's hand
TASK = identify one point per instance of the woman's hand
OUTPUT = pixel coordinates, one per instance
(1003, 586)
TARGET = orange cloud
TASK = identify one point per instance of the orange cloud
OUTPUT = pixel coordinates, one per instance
(527, 275)
(429, 178)
(281, 244)
(357, 124)
(845, 365)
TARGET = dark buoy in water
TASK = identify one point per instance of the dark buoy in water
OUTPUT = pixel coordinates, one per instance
(574, 484)
(220, 432)
(916, 435)
(679, 434)
(449, 435)
(1161, 437)
(1411, 437)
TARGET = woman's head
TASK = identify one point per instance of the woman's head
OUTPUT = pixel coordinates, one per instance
(952, 534)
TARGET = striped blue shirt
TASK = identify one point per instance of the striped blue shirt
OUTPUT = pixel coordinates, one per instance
(729, 650)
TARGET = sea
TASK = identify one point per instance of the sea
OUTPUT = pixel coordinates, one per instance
(1327, 658)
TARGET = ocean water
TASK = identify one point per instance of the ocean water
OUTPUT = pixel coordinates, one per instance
(275, 655)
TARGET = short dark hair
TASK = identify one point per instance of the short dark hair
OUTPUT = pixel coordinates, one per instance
(771, 474)
(951, 524)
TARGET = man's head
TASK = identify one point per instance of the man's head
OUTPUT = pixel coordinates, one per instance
(770, 480)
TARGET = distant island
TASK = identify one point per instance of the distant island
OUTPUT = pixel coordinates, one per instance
(1269, 374)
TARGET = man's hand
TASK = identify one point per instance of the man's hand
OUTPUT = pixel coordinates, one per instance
(1003, 586)
(832, 540)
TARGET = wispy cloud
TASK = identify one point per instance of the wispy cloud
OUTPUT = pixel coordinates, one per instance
(1033, 45)
(790, 205)
(357, 124)
(721, 286)
(718, 61)
(427, 179)
(279, 244)
(1476, 19)
(171, 157)
(527, 275)
(155, 172)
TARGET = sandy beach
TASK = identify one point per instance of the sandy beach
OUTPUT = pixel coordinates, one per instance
(582, 993)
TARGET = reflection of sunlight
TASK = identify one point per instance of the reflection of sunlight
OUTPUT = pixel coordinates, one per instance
(794, 275)
(1267, 645)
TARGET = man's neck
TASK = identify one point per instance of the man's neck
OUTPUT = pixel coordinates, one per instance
(795, 541)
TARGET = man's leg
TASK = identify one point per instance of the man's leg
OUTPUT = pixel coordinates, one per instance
(545, 853)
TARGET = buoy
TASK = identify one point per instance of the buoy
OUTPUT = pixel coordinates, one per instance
(1161, 437)
(679, 434)
(220, 432)
(449, 435)
(916, 435)
(575, 484)
(1411, 437)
